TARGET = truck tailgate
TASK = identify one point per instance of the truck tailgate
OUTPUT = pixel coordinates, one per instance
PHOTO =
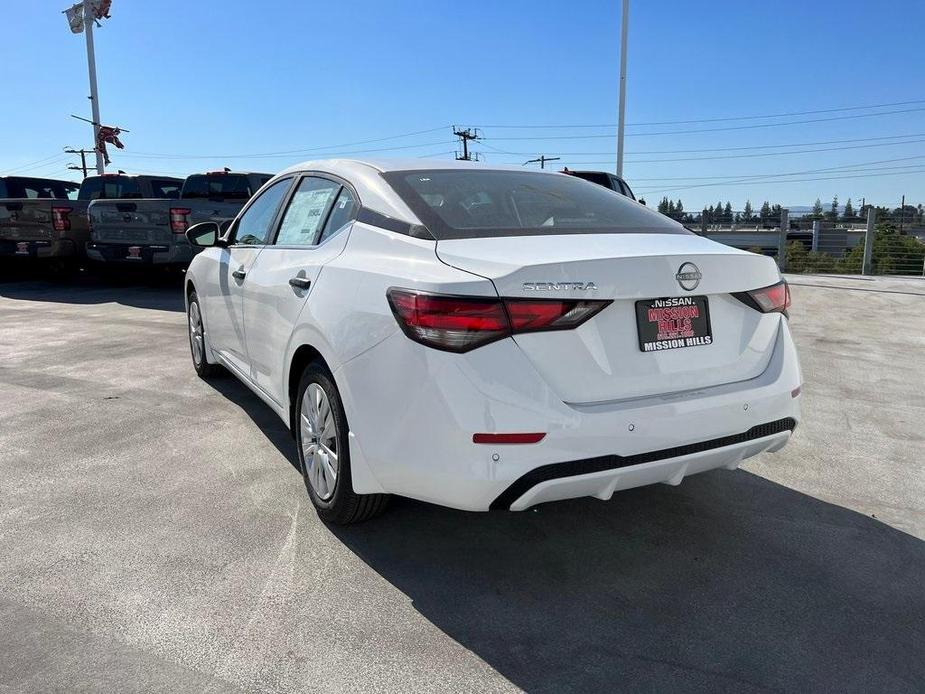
(28, 220)
(131, 221)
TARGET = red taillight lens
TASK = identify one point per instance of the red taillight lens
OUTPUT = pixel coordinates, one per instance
(773, 299)
(60, 218)
(178, 221)
(455, 324)
(529, 315)
(459, 324)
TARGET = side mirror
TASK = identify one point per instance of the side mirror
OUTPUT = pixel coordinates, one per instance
(204, 234)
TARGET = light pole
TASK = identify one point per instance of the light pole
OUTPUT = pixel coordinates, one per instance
(624, 26)
(94, 96)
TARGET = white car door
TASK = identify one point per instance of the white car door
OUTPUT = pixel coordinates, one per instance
(224, 309)
(283, 275)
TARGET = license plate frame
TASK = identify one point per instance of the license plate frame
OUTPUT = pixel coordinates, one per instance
(670, 323)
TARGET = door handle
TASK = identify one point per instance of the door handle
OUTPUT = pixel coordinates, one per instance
(300, 282)
(239, 274)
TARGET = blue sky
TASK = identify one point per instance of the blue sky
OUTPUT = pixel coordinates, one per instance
(231, 78)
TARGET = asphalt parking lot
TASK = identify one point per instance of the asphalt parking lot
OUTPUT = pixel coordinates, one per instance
(156, 535)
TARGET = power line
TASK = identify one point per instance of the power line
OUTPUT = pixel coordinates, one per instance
(765, 178)
(718, 120)
(706, 130)
(294, 151)
(780, 178)
(789, 180)
(39, 163)
(725, 149)
(289, 155)
(754, 156)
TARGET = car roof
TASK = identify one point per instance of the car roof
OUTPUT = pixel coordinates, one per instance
(399, 164)
(374, 192)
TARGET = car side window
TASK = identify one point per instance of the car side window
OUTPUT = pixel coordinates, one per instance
(253, 228)
(345, 209)
(307, 211)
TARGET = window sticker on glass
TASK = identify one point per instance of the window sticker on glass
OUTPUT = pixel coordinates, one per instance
(306, 212)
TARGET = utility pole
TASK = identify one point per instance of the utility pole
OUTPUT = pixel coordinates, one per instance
(83, 159)
(902, 214)
(620, 123)
(94, 94)
(465, 136)
(542, 160)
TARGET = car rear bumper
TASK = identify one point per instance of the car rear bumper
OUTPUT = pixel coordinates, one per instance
(61, 248)
(140, 254)
(413, 412)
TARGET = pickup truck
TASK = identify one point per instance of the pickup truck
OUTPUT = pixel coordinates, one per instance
(602, 178)
(40, 218)
(152, 232)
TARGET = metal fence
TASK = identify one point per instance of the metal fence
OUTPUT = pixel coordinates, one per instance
(879, 241)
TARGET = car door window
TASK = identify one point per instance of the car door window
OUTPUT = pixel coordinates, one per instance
(255, 224)
(345, 209)
(305, 215)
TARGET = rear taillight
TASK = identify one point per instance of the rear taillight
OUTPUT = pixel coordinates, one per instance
(459, 324)
(773, 299)
(178, 222)
(60, 218)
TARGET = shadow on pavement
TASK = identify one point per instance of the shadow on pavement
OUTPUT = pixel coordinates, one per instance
(260, 413)
(728, 582)
(142, 290)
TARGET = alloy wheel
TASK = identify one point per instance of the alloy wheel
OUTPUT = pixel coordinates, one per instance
(319, 441)
(196, 333)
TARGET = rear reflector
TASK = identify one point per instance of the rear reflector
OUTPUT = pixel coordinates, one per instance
(508, 438)
(796, 391)
(460, 323)
(773, 299)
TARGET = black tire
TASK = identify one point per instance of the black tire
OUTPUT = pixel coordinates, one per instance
(203, 368)
(343, 507)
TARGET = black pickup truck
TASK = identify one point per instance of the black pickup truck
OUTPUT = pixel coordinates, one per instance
(46, 219)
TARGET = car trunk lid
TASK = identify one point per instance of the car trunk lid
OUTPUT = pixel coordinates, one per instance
(602, 360)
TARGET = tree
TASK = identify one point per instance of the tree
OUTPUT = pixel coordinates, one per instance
(849, 210)
(832, 214)
(765, 214)
(747, 215)
(663, 205)
(679, 209)
(727, 213)
(891, 253)
(817, 209)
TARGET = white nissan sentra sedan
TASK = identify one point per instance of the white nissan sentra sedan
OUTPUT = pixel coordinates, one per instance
(489, 338)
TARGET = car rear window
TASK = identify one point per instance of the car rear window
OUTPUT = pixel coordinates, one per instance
(220, 186)
(26, 187)
(165, 188)
(598, 177)
(108, 187)
(473, 203)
